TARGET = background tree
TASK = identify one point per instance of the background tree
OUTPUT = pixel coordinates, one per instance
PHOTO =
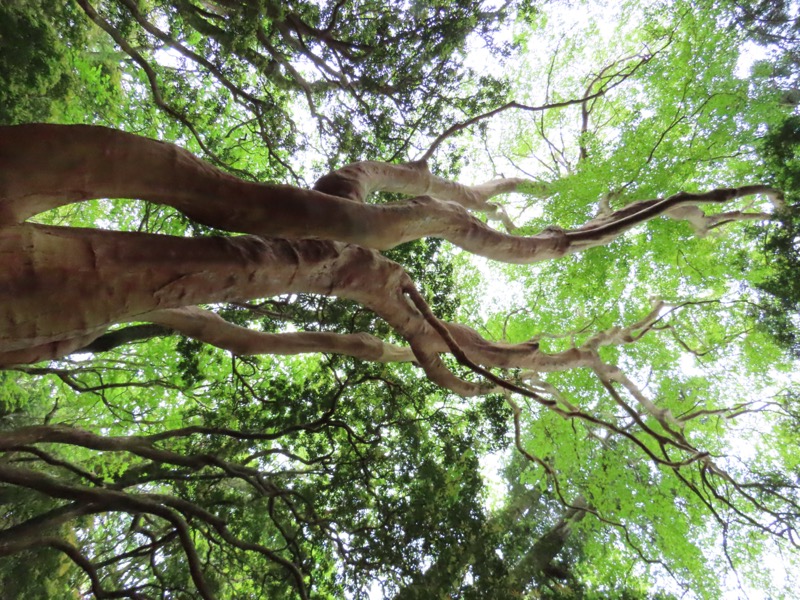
(625, 374)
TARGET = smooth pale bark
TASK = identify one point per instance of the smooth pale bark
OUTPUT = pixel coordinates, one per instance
(210, 328)
(60, 283)
(44, 166)
(61, 288)
(358, 180)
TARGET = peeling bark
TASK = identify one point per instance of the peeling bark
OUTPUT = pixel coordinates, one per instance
(106, 278)
(45, 166)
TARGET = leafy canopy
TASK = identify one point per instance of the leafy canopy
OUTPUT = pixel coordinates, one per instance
(339, 478)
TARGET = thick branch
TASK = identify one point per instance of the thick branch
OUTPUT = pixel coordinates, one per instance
(126, 335)
(45, 166)
(111, 277)
(210, 328)
(358, 180)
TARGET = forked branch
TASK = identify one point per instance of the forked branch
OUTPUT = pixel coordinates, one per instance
(104, 163)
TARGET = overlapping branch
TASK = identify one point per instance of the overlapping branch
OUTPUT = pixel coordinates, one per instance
(164, 174)
(322, 241)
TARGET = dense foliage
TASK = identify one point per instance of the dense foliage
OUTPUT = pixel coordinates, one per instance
(151, 465)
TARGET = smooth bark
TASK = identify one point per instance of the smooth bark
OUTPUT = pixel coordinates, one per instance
(61, 288)
(44, 166)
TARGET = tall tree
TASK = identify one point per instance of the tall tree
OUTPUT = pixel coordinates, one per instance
(209, 467)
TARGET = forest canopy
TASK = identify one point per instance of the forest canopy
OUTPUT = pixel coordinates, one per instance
(399, 300)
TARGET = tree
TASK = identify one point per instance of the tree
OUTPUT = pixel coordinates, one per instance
(54, 66)
(234, 475)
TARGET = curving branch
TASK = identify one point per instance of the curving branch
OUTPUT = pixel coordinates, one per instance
(114, 500)
(210, 328)
(164, 174)
(609, 82)
(136, 279)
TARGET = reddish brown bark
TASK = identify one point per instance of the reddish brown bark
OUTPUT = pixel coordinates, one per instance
(60, 288)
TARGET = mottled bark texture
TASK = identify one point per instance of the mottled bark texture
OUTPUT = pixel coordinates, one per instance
(62, 287)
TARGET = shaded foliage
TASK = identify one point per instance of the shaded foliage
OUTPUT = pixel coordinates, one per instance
(163, 467)
(35, 73)
(779, 304)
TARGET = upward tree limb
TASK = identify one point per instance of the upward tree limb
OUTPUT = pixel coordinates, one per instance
(212, 329)
(115, 278)
(83, 162)
(610, 81)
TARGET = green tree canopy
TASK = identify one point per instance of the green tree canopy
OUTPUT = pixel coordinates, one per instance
(583, 388)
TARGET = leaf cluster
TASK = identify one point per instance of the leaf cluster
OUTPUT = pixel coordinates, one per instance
(779, 302)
